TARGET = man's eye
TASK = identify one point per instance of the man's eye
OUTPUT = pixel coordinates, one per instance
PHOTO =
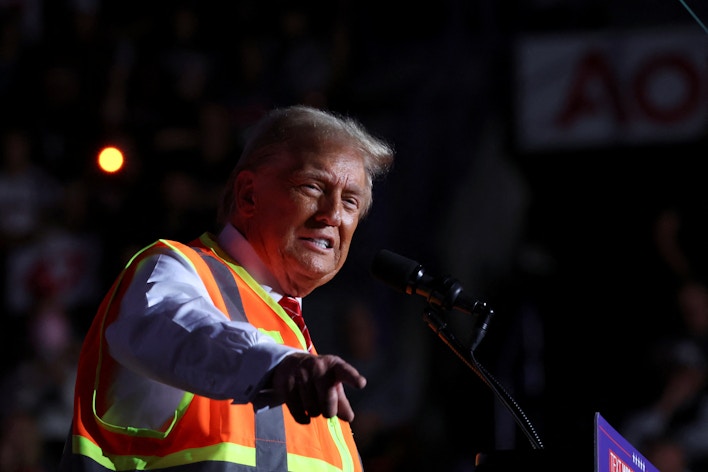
(351, 202)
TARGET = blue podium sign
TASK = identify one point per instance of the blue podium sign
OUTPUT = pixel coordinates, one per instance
(613, 453)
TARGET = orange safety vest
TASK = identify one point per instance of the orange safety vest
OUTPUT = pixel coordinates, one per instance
(204, 434)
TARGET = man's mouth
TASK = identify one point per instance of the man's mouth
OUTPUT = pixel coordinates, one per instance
(321, 242)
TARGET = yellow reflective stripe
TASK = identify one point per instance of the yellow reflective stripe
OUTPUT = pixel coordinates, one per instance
(298, 463)
(146, 432)
(227, 452)
(250, 281)
(273, 334)
(104, 315)
(81, 445)
(186, 399)
(335, 429)
(179, 251)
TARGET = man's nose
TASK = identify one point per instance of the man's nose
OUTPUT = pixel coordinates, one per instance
(330, 210)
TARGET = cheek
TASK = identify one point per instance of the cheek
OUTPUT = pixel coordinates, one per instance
(348, 228)
(293, 203)
(281, 206)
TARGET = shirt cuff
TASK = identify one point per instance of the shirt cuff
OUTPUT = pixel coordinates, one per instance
(259, 361)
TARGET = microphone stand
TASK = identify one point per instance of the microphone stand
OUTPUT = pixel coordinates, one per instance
(432, 317)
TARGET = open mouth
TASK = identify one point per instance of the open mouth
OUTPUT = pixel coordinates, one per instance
(321, 242)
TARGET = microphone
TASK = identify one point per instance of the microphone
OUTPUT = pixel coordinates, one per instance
(408, 276)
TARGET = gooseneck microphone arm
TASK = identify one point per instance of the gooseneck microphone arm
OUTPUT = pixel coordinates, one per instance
(445, 294)
(431, 315)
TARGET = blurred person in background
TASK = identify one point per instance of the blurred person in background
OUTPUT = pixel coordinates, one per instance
(21, 444)
(673, 425)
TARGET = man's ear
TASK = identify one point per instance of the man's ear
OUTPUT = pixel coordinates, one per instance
(244, 191)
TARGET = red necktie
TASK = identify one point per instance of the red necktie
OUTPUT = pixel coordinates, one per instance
(292, 308)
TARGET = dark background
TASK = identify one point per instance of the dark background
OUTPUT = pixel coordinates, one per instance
(559, 242)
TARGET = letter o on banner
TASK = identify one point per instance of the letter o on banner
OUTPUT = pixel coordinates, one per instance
(684, 79)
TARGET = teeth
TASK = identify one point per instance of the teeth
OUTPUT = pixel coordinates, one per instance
(321, 242)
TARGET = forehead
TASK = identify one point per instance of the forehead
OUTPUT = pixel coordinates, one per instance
(328, 157)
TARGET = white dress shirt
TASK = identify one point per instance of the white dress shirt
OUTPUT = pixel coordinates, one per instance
(170, 338)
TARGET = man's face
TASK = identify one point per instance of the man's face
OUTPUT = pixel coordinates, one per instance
(300, 212)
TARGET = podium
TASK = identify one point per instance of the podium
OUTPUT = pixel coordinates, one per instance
(612, 453)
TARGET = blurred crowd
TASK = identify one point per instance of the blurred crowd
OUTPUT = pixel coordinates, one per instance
(175, 85)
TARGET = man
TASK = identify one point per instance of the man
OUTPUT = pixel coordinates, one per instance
(190, 358)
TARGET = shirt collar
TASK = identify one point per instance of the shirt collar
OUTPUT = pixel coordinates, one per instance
(237, 246)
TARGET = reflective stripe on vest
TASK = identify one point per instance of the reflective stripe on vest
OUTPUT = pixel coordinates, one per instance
(193, 439)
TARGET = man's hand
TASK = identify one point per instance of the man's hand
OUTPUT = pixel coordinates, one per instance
(313, 385)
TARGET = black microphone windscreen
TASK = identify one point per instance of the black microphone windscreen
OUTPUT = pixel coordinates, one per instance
(394, 269)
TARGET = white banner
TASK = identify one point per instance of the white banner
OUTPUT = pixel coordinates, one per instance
(611, 88)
